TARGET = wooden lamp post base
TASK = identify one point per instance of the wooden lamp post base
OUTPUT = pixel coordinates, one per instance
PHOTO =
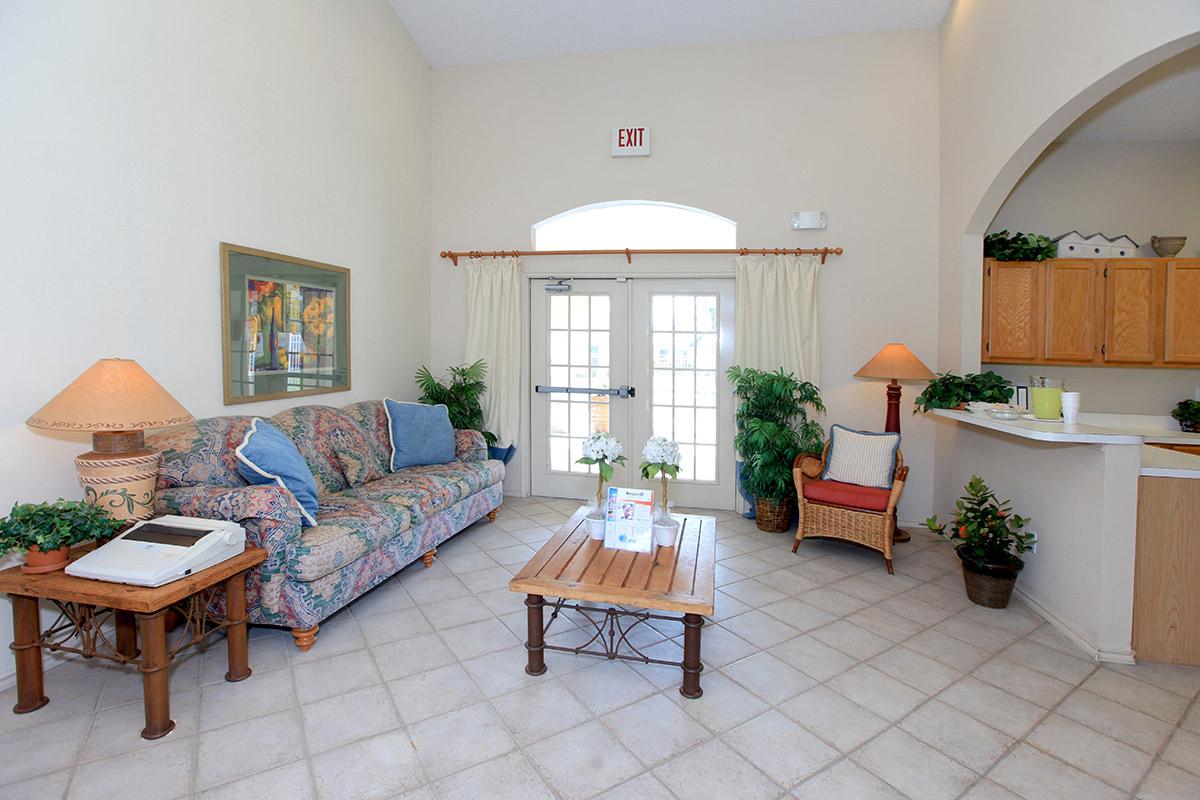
(891, 424)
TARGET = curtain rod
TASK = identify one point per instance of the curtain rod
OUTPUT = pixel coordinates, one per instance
(823, 252)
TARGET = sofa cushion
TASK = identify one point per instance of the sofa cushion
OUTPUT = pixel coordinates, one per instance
(429, 490)
(200, 453)
(347, 529)
(267, 456)
(332, 444)
(421, 434)
(861, 457)
(372, 420)
(850, 495)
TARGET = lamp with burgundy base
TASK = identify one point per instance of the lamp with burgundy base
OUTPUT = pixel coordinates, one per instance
(116, 401)
(895, 363)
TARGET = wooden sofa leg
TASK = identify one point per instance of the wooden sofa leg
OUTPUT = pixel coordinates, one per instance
(428, 558)
(491, 515)
(305, 637)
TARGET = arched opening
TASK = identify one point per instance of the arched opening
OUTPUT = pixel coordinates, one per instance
(647, 224)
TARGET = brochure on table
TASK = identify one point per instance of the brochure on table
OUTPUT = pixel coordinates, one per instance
(629, 515)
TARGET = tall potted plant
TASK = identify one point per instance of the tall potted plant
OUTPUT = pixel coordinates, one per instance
(461, 390)
(45, 532)
(989, 540)
(773, 427)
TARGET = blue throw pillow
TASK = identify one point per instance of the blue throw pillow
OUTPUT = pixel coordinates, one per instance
(421, 434)
(266, 455)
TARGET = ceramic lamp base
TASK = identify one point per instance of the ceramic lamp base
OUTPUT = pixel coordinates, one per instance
(120, 475)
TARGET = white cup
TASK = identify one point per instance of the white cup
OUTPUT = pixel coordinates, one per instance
(1070, 407)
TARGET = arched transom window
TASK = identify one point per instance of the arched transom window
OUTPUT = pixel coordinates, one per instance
(642, 224)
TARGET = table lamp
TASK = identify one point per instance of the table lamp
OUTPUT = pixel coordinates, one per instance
(116, 400)
(894, 363)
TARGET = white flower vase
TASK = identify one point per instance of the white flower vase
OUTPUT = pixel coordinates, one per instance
(595, 519)
(666, 528)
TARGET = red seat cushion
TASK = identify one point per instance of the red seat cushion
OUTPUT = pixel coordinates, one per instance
(847, 494)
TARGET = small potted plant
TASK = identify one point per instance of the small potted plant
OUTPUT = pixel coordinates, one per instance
(1187, 414)
(601, 450)
(989, 540)
(773, 427)
(660, 457)
(46, 531)
(948, 390)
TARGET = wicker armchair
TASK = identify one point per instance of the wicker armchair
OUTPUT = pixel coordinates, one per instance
(834, 510)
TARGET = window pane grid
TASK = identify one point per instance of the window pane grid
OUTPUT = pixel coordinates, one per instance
(683, 392)
(579, 355)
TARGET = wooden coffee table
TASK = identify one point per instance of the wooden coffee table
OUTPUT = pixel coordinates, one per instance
(137, 612)
(572, 566)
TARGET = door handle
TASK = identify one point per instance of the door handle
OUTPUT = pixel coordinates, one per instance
(620, 391)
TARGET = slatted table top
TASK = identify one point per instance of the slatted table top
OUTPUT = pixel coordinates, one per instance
(679, 578)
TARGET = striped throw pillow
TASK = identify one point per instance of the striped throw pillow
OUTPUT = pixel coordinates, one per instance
(861, 457)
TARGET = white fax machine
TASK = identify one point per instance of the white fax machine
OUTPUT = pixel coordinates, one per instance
(158, 551)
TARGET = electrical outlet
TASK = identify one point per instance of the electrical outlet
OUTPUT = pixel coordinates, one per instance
(1033, 550)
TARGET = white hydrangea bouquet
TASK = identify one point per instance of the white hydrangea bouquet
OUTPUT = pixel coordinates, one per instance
(660, 457)
(602, 450)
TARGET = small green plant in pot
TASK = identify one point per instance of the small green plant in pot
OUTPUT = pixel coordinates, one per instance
(948, 390)
(45, 532)
(1187, 414)
(460, 390)
(1018, 246)
(773, 427)
(989, 540)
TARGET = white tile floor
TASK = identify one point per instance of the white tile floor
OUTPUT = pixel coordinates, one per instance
(825, 678)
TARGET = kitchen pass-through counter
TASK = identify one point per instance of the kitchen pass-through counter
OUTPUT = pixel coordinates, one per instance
(1117, 517)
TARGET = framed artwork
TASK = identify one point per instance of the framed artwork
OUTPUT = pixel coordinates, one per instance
(285, 325)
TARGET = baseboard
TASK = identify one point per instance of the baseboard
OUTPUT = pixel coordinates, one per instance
(1092, 651)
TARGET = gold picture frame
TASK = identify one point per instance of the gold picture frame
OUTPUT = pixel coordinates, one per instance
(285, 326)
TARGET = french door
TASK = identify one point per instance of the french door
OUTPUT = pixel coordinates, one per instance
(636, 358)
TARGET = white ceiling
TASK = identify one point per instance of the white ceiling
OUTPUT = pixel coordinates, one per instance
(453, 32)
(1162, 104)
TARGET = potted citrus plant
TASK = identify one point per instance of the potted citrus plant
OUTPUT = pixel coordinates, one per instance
(600, 450)
(989, 540)
(660, 457)
(45, 532)
(772, 429)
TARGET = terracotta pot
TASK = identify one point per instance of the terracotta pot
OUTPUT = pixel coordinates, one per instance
(37, 562)
(990, 585)
(773, 516)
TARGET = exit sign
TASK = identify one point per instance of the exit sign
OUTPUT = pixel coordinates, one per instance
(630, 142)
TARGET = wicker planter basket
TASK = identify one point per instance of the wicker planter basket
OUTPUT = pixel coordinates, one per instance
(990, 585)
(773, 516)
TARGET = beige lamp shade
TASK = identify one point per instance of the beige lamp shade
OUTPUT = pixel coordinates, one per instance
(895, 361)
(114, 394)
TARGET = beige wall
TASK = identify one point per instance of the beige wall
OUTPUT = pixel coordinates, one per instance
(755, 131)
(136, 136)
(1009, 86)
(1135, 188)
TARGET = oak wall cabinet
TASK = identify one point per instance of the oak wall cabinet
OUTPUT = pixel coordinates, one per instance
(1101, 312)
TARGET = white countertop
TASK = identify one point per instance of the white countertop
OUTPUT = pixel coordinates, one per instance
(1159, 462)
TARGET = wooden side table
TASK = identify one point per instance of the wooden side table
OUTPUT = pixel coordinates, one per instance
(138, 612)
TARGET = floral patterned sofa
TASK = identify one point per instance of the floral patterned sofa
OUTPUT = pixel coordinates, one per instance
(372, 522)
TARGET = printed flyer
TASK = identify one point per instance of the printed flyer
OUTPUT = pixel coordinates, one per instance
(629, 519)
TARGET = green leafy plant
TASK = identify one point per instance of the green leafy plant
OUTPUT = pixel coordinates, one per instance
(773, 427)
(460, 390)
(1018, 246)
(49, 526)
(948, 390)
(1187, 414)
(985, 530)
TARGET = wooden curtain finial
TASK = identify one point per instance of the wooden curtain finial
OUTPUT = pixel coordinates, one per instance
(628, 256)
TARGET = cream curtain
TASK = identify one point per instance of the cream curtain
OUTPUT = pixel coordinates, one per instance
(494, 334)
(777, 314)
